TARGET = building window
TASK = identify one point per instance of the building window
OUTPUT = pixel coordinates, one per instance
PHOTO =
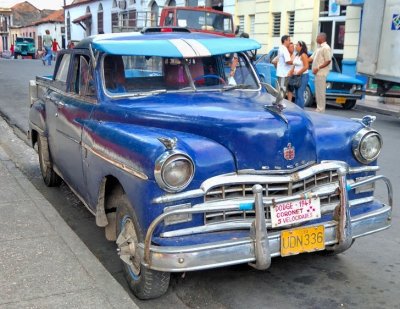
(131, 2)
(68, 27)
(114, 22)
(154, 14)
(330, 8)
(252, 21)
(132, 18)
(171, 3)
(114, 5)
(291, 23)
(100, 22)
(276, 24)
(241, 23)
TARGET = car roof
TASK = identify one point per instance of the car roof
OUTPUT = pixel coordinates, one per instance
(168, 44)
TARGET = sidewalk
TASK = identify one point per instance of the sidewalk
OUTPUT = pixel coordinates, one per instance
(387, 106)
(43, 264)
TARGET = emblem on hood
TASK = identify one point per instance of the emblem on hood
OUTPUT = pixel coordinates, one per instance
(289, 152)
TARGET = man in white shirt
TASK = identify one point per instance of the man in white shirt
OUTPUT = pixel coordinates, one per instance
(284, 62)
(321, 65)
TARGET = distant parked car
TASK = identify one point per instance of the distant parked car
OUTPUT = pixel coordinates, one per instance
(343, 89)
(25, 47)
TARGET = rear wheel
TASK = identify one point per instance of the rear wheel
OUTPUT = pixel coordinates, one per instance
(145, 283)
(349, 104)
(308, 97)
(51, 179)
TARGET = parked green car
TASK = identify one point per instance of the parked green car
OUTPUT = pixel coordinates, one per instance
(25, 47)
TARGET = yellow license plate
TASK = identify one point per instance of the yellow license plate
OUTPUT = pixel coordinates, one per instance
(301, 240)
(340, 100)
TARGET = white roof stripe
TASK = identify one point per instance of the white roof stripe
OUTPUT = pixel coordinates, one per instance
(200, 49)
(184, 48)
(190, 48)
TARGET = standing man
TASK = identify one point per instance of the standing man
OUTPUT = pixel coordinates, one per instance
(284, 62)
(47, 44)
(321, 65)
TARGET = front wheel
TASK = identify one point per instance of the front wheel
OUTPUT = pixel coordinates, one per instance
(145, 283)
(349, 104)
(308, 98)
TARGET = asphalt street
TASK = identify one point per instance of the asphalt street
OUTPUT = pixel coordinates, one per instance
(366, 276)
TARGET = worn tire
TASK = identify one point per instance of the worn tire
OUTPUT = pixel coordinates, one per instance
(349, 104)
(147, 283)
(50, 177)
(308, 98)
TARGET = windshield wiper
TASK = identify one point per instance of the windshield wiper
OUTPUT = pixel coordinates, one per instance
(233, 87)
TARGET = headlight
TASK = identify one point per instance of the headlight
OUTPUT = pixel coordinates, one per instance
(367, 145)
(328, 85)
(174, 171)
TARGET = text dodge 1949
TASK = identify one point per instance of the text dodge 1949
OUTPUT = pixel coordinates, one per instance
(190, 163)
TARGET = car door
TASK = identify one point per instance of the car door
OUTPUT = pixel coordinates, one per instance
(71, 110)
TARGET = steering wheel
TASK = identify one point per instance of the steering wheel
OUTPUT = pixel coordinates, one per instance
(201, 79)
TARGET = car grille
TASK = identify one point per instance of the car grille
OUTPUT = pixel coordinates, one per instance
(24, 48)
(342, 86)
(270, 190)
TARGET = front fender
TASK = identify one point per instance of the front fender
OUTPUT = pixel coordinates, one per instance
(129, 152)
(138, 148)
(37, 119)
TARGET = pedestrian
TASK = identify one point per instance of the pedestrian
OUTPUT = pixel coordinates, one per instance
(284, 62)
(12, 50)
(321, 65)
(47, 44)
(70, 45)
(54, 48)
(300, 71)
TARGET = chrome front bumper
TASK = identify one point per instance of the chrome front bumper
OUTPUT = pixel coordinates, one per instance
(260, 246)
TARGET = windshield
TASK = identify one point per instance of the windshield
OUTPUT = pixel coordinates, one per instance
(25, 40)
(201, 20)
(141, 75)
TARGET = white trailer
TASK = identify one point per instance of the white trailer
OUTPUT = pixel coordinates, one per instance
(379, 49)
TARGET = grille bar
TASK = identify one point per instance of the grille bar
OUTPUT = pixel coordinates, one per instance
(270, 190)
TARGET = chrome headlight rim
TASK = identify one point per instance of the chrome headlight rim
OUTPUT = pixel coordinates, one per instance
(358, 140)
(329, 85)
(167, 158)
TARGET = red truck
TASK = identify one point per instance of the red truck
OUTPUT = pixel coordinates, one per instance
(199, 19)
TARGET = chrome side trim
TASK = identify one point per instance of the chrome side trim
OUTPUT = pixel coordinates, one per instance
(116, 163)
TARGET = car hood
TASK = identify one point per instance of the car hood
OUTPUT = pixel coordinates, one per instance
(335, 77)
(256, 137)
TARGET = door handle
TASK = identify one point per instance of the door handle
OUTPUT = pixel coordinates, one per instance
(60, 104)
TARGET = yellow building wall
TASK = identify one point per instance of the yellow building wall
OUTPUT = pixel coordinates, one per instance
(306, 19)
(352, 32)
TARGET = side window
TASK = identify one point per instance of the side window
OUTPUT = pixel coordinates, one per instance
(82, 82)
(86, 84)
(62, 73)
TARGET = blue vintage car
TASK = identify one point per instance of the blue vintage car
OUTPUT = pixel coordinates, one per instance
(172, 143)
(340, 88)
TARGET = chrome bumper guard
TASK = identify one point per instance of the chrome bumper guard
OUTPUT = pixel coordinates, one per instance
(261, 245)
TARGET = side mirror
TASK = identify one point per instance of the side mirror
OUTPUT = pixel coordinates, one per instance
(237, 30)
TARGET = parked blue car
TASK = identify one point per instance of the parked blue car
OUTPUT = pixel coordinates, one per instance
(189, 163)
(340, 88)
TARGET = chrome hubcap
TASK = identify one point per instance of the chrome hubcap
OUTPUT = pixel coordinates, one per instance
(127, 241)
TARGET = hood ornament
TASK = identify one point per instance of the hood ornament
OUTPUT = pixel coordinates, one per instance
(289, 152)
(279, 105)
(168, 142)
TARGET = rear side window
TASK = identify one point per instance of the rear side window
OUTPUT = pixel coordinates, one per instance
(62, 73)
